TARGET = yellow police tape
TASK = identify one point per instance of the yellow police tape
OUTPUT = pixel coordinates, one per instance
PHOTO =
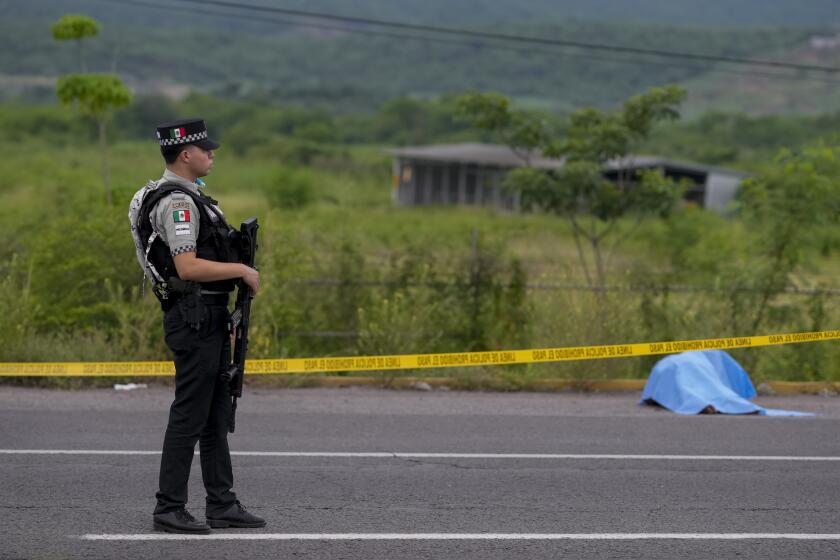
(416, 361)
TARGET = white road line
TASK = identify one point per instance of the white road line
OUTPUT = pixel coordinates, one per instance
(388, 455)
(463, 536)
(75, 452)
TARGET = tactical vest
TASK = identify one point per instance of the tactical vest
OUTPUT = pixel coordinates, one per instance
(214, 241)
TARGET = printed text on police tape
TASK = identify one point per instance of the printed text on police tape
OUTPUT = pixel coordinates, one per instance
(418, 361)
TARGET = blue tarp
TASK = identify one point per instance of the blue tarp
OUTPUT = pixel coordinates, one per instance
(689, 382)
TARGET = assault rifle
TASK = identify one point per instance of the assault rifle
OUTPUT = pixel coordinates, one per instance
(246, 241)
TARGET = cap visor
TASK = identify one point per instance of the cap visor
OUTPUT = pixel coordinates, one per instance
(207, 144)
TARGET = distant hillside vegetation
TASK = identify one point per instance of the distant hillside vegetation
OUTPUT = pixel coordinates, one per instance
(760, 95)
(347, 73)
(481, 12)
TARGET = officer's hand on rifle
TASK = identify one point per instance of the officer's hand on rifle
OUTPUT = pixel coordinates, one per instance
(251, 277)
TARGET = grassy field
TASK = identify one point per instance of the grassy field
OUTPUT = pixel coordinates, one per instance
(345, 272)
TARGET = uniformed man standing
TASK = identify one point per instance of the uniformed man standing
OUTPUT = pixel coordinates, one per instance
(194, 251)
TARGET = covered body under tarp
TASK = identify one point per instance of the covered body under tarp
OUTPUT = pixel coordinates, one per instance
(692, 382)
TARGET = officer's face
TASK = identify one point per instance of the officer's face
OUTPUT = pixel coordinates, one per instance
(199, 160)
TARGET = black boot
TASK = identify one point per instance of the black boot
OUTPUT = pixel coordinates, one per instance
(179, 521)
(236, 516)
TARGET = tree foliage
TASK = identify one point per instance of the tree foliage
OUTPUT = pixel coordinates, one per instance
(782, 207)
(788, 216)
(597, 186)
(523, 132)
(97, 95)
(75, 27)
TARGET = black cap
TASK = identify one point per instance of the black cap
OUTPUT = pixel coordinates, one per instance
(186, 131)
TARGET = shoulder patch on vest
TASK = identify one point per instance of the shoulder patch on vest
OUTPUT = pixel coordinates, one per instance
(180, 216)
(180, 205)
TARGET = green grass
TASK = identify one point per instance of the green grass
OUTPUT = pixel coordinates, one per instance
(350, 230)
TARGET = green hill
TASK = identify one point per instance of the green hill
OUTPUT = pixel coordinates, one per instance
(725, 13)
(347, 73)
(758, 94)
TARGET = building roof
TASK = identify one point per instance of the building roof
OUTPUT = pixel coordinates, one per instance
(504, 156)
(484, 154)
(652, 162)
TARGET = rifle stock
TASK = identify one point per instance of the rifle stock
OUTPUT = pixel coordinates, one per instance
(241, 317)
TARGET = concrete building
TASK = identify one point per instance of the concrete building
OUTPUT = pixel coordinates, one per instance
(473, 174)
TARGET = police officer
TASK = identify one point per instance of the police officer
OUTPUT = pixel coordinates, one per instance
(193, 250)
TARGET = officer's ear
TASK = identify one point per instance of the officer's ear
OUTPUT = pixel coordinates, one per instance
(187, 152)
(171, 154)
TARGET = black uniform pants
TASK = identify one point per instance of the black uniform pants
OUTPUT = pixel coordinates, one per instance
(200, 411)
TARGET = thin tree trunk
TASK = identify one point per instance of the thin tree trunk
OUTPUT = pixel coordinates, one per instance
(599, 264)
(115, 55)
(475, 265)
(771, 285)
(103, 144)
(581, 256)
(600, 289)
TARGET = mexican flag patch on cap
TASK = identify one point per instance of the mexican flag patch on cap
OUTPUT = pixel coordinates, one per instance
(181, 216)
(177, 133)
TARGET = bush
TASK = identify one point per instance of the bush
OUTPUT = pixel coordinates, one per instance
(290, 188)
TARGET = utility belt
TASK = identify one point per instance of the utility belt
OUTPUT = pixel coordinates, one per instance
(190, 301)
(215, 299)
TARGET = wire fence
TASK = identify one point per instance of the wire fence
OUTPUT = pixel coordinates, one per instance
(560, 286)
(328, 282)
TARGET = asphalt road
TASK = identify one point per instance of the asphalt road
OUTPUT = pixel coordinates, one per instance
(616, 505)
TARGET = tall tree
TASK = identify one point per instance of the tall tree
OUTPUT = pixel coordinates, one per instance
(596, 142)
(97, 95)
(75, 27)
(783, 205)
